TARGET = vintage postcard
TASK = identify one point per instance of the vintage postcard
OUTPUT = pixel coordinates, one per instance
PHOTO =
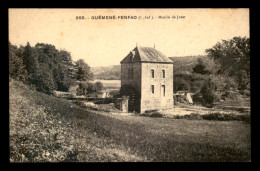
(129, 85)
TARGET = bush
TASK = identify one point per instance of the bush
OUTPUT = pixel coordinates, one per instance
(226, 117)
(197, 81)
(150, 111)
(156, 115)
(181, 82)
(197, 98)
(193, 116)
(180, 99)
(208, 93)
(229, 95)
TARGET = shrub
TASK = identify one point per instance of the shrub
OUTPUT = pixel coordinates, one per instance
(150, 111)
(226, 117)
(197, 98)
(156, 115)
(193, 116)
(208, 93)
(181, 82)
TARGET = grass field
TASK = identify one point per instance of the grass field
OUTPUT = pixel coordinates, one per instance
(45, 128)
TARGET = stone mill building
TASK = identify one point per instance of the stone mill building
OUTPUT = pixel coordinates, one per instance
(150, 74)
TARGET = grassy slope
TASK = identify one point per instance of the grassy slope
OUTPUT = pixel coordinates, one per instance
(67, 132)
(45, 128)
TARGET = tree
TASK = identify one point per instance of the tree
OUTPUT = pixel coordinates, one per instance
(83, 87)
(208, 93)
(26, 55)
(98, 86)
(181, 82)
(16, 68)
(200, 68)
(90, 87)
(83, 73)
(234, 57)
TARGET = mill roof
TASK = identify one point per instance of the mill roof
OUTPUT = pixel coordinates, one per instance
(146, 54)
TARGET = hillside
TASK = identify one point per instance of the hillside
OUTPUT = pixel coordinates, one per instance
(185, 63)
(44, 128)
(48, 129)
(107, 73)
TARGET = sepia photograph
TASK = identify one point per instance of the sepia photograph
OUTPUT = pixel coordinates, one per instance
(129, 85)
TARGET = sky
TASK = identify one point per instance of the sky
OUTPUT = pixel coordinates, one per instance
(104, 42)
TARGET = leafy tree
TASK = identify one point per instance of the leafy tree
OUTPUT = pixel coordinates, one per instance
(16, 68)
(83, 73)
(83, 88)
(45, 67)
(200, 68)
(99, 86)
(234, 57)
(27, 53)
(208, 93)
(44, 81)
(197, 81)
(90, 87)
(181, 82)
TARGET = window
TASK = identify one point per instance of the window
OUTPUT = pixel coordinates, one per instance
(152, 86)
(152, 72)
(163, 73)
(163, 90)
(130, 73)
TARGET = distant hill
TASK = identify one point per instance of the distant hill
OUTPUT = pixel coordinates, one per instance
(181, 64)
(112, 72)
(186, 63)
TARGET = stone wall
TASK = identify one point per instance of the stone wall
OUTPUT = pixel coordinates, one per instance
(142, 81)
(136, 80)
(156, 100)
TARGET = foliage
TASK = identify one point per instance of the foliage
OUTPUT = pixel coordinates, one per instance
(215, 116)
(185, 64)
(197, 81)
(234, 57)
(37, 131)
(181, 82)
(85, 88)
(245, 93)
(208, 92)
(98, 86)
(83, 73)
(16, 68)
(82, 88)
(43, 67)
(156, 115)
(200, 68)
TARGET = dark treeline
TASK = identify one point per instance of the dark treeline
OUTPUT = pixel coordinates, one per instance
(46, 69)
(43, 67)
